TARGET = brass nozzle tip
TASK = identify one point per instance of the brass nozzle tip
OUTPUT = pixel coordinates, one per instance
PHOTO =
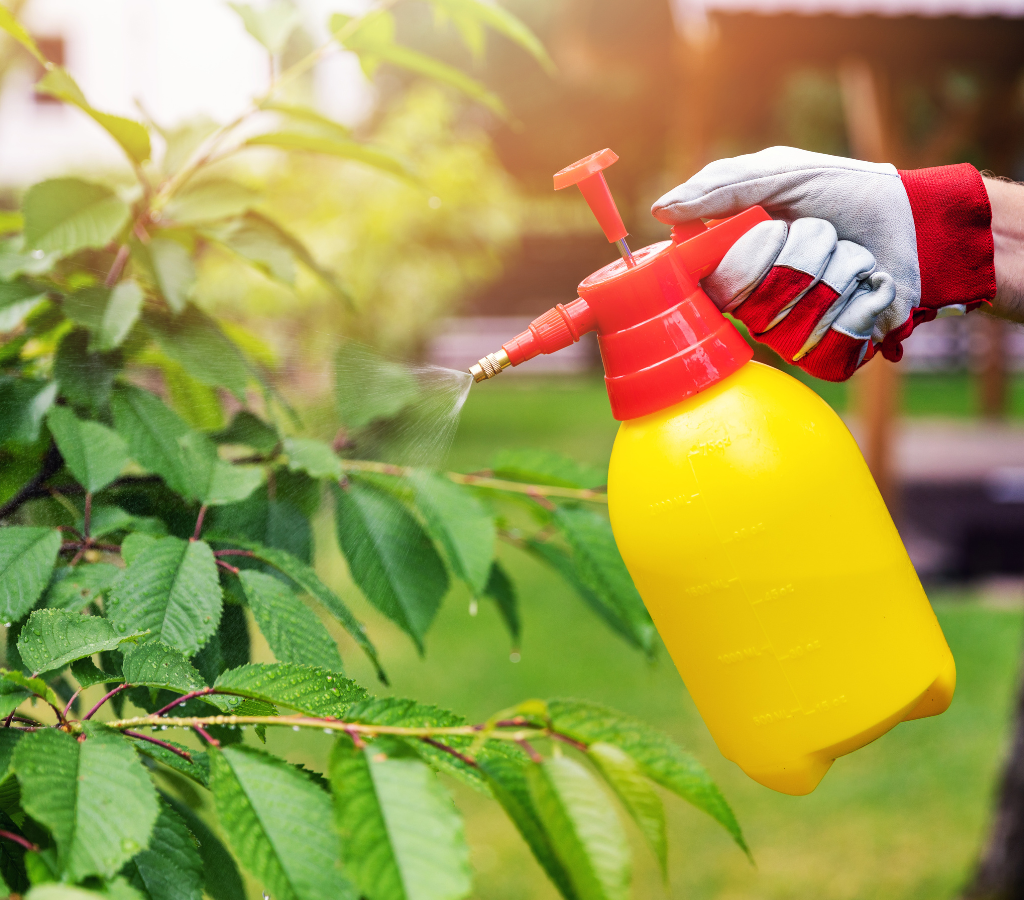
(490, 366)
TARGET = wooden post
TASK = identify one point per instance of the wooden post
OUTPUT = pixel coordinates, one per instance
(876, 385)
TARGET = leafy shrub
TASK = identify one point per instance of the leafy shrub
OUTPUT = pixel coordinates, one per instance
(137, 540)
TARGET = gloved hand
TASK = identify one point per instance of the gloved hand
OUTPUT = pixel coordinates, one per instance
(859, 256)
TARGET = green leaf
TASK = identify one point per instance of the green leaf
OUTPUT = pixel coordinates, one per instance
(118, 889)
(251, 431)
(94, 796)
(342, 148)
(52, 638)
(152, 432)
(583, 827)
(87, 673)
(314, 457)
(13, 681)
(278, 824)
(272, 230)
(131, 135)
(459, 522)
(170, 868)
(174, 271)
(27, 557)
(373, 41)
(598, 566)
(197, 403)
(209, 200)
(16, 259)
(660, 758)
(500, 589)
(546, 467)
(308, 580)
(258, 245)
(308, 117)
(312, 690)
(64, 215)
(23, 406)
(215, 482)
(279, 523)
(368, 387)
(390, 557)
(17, 31)
(85, 376)
(197, 342)
(198, 769)
(171, 589)
(401, 836)
(223, 881)
(154, 664)
(120, 315)
(507, 780)
(134, 544)
(18, 299)
(94, 453)
(74, 589)
(291, 628)
(271, 25)
(8, 741)
(502, 21)
(623, 775)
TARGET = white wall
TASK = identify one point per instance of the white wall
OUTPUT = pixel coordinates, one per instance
(178, 58)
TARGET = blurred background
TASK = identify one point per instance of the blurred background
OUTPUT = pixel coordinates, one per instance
(445, 274)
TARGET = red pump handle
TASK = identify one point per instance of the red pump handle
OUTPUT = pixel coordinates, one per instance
(588, 175)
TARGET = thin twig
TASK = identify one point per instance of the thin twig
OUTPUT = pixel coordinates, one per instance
(18, 839)
(248, 553)
(184, 754)
(104, 699)
(87, 517)
(530, 751)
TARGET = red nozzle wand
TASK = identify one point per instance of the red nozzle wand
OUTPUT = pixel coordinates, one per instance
(588, 175)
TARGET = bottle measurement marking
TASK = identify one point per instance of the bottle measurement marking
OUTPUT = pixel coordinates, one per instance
(741, 533)
(708, 447)
(774, 594)
(783, 715)
(669, 503)
(709, 587)
(797, 652)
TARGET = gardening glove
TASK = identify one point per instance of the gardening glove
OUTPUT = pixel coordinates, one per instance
(859, 256)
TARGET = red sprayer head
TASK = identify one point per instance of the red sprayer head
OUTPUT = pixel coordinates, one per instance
(661, 337)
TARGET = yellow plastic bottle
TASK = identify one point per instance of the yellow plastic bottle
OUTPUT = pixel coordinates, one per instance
(745, 514)
(759, 542)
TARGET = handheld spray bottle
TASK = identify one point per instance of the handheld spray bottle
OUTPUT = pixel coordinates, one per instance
(745, 514)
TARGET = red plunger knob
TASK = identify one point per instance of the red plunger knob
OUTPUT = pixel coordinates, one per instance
(588, 174)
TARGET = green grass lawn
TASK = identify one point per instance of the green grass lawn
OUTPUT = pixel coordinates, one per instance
(902, 819)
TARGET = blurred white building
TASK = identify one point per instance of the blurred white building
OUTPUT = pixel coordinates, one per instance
(177, 59)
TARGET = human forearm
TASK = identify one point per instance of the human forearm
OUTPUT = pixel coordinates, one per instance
(1007, 201)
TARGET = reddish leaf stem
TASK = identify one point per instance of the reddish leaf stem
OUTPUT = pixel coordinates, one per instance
(530, 751)
(459, 756)
(87, 517)
(212, 741)
(565, 739)
(104, 699)
(67, 708)
(226, 567)
(18, 839)
(184, 754)
(248, 553)
(199, 522)
(117, 267)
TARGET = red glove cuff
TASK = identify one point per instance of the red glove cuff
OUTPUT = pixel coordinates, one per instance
(953, 220)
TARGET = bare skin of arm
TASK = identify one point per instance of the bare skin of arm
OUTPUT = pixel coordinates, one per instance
(1007, 200)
